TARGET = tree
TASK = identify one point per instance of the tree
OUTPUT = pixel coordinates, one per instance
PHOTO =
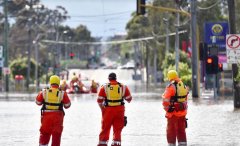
(19, 67)
(185, 71)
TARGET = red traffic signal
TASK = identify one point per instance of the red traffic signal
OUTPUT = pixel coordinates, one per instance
(220, 67)
(212, 64)
(71, 55)
(209, 60)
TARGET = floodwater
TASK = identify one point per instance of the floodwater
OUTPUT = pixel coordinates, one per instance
(210, 122)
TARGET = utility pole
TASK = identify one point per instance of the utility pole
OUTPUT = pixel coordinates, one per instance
(232, 29)
(155, 65)
(195, 74)
(177, 40)
(166, 20)
(29, 47)
(6, 45)
(147, 63)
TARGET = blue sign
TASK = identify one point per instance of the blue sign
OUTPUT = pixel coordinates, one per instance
(215, 33)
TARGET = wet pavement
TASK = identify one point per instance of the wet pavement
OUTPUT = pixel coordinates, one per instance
(211, 122)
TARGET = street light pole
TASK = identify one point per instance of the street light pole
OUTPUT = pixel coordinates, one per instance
(36, 69)
(195, 75)
(177, 41)
(29, 49)
(232, 30)
(6, 45)
(166, 21)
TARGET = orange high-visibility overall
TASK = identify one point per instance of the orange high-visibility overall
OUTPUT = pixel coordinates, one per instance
(112, 111)
(53, 100)
(176, 111)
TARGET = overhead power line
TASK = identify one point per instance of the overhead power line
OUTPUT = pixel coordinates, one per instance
(103, 15)
(108, 42)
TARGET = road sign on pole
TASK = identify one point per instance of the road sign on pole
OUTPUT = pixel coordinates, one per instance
(233, 48)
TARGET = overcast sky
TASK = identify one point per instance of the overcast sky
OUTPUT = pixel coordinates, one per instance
(102, 17)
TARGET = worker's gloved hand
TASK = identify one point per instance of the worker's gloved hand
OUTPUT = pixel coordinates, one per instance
(170, 109)
(180, 106)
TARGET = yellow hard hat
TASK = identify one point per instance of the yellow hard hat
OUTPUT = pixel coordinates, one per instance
(74, 78)
(172, 74)
(54, 79)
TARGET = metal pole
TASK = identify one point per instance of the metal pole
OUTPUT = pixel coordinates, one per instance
(215, 86)
(147, 63)
(155, 65)
(167, 36)
(135, 59)
(195, 75)
(36, 70)
(29, 50)
(65, 45)
(6, 45)
(232, 28)
(177, 41)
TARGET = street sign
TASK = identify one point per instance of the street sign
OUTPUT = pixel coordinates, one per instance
(6, 70)
(233, 48)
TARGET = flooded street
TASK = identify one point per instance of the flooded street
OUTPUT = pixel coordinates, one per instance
(210, 123)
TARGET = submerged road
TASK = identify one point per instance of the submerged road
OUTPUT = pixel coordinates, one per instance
(211, 123)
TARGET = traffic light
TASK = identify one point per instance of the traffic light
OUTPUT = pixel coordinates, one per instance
(212, 64)
(220, 67)
(203, 51)
(141, 7)
(71, 55)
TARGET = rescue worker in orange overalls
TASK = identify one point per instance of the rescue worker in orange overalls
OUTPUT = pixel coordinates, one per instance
(111, 102)
(73, 80)
(52, 100)
(64, 86)
(94, 87)
(175, 104)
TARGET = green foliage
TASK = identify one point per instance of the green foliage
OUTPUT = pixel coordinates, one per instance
(73, 63)
(170, 59)
(137, 27)
(237, 5)
(82, 34)
(237, 78)
(185, 72)
(19, 67)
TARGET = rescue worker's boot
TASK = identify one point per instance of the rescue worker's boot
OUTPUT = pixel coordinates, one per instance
(102, 143)
(182, 143)
(116, 143)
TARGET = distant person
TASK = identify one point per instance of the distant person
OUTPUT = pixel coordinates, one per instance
(52, 114)
(74, 80)
(175, 104)
(76, 83)
(94, 87)
(111, 102)
(64, 86)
